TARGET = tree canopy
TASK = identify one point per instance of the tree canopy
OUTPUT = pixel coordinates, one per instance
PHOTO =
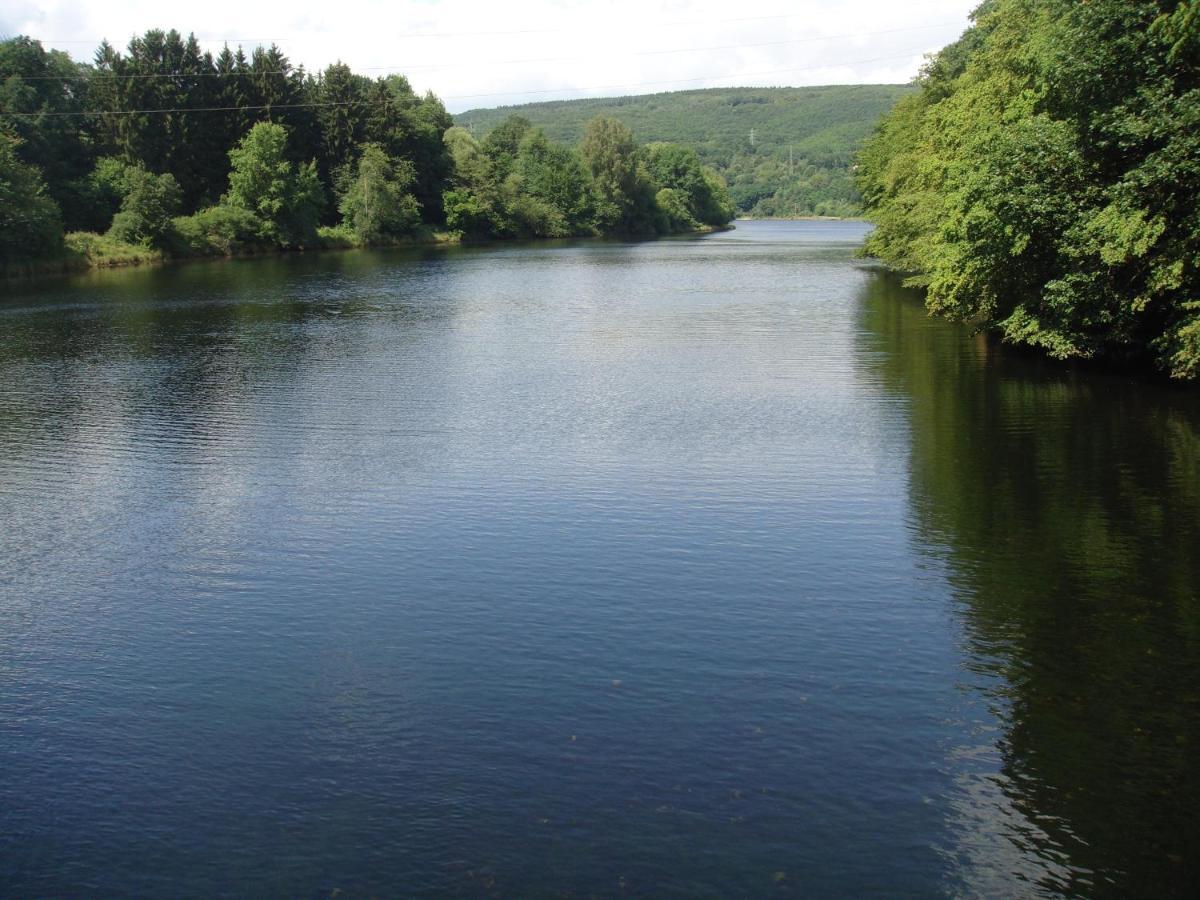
(1043, 181)
(166, 147)
(781, 151)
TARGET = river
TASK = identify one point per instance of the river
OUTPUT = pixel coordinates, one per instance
(701, 566)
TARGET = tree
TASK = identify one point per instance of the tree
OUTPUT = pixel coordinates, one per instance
(30, 223)
(41, 95)
(477, 205)
(673, 205)
(703, 191)
(503, 143)
(624, 195)
(150, 202)
(556, 176)
(285, 197)
(1043, 181)
(342, 115)
(377, 203)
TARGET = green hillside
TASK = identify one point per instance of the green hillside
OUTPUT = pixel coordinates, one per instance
(796, 163)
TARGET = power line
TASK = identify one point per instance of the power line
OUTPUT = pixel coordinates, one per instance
(608, 87)
(186, 109)
(499, 62)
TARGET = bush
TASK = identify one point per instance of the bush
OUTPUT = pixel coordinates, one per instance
(146, 211)
(536, 217)
(673, 206)
(219, 231)
(101, 250)
(337, 237)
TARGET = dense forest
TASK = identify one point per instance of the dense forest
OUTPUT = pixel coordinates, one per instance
(784, 152)
(1043, 181)
(165, 150)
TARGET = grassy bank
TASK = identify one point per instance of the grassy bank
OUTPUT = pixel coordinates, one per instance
(85, 250)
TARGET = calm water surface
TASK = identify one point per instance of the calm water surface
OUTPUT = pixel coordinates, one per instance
(698, 567)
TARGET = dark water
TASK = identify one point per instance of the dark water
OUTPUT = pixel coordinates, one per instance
(696, 567)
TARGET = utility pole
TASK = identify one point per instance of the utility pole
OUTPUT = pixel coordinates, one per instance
(751, 137)
(791, 160)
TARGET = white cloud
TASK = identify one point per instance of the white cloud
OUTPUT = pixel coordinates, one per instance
(484, 53)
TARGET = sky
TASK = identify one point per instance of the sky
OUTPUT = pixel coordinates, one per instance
(482, 53)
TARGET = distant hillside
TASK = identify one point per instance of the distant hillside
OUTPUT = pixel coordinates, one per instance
(784, 151)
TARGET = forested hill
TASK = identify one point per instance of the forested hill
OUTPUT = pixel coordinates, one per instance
(783, 151)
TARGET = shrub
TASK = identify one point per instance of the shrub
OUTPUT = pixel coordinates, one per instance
(146, 211)
(219, 231)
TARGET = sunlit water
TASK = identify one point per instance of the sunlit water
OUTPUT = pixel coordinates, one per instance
(702, 567)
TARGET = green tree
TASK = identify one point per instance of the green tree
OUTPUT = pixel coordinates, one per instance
(42, 96)
(624, 194)
(343, 118)
(701, 189)
(673, 205)
(1043, 181)
(478, 202)
(804, 146)
(555, 175)
(377, 203)
(287, 198)
(149, 204)
(30, 223)
(503, 143)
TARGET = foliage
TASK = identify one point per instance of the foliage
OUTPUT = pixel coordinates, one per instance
(285, 197)
(799, 162)
(39, 103)
(503, 144)
(1043, 181)
(477, 204)
(377, 203)
(517, 183)
(673, 206)
(218, 231)
(30, 224)
(147, 208)
(164, 145)
(104, 250)
(624, 193)
(703, 191)
(337, 237)
(69, 115)
(556, 176)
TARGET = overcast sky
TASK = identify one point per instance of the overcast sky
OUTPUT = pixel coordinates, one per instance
(490, 52)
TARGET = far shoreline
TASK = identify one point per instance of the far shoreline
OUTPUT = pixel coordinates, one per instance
(801, 219)
(78, 263)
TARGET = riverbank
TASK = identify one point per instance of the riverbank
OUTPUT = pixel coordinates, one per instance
(801, 219)
(86, 251)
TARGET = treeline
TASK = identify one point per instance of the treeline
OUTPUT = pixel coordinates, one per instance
(168, 149)
(517, 182)
(1044, 180)
(783, 152)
